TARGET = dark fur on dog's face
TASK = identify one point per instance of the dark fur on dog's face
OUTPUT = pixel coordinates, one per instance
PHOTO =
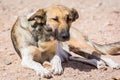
(56, 19)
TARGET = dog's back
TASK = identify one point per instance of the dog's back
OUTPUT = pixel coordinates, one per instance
(20, 35)
(13, 37)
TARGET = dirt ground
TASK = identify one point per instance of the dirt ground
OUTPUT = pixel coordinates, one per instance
(99, 19)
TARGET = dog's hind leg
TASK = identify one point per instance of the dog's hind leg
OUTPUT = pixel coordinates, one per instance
(28, 61)
(94, 62)
(111, 48)
(92, 55)
(109, 62)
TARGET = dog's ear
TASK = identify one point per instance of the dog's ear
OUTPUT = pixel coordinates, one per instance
(74, 14)
(38, 16)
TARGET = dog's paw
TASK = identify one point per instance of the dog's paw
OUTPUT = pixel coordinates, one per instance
(115, 66)
(101, 65)
(57, 69)
(44, 73)
(109, 62)
(56, 65)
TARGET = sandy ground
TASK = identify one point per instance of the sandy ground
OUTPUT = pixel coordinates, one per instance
(99, 19)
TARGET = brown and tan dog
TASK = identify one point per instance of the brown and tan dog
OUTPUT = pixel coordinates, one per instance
(43, 35)
(36, 38)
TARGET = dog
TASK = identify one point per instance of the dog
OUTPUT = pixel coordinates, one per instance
(85, 45)
(36, 38)
(47, 35)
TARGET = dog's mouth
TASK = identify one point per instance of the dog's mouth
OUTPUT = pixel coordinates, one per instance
(62, 36)
(62, 39)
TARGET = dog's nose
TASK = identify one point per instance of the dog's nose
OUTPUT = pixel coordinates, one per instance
(65, 36)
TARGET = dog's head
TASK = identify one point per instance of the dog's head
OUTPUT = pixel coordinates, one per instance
(56, 19)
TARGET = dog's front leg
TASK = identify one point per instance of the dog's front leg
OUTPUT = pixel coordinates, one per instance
(57, 65)
(57, 61)
(28, 61)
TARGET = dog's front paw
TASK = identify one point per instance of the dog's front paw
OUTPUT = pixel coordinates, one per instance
(57, 69)
(56, 65)
(44, 73)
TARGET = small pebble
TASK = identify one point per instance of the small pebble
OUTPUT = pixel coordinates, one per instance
(3, 69)
(115, 78)
(74, 75)
(8, 62)
(8, 29)
(11, 53)
(5, 48)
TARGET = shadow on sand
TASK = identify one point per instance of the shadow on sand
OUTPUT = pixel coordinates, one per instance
(78, 65)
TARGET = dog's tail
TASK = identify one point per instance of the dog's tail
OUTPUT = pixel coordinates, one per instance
(111, 48)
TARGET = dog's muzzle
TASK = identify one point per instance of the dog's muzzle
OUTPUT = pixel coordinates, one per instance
(64, 35)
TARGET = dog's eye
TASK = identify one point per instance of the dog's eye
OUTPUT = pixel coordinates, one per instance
(55, 19)
(68, 19)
